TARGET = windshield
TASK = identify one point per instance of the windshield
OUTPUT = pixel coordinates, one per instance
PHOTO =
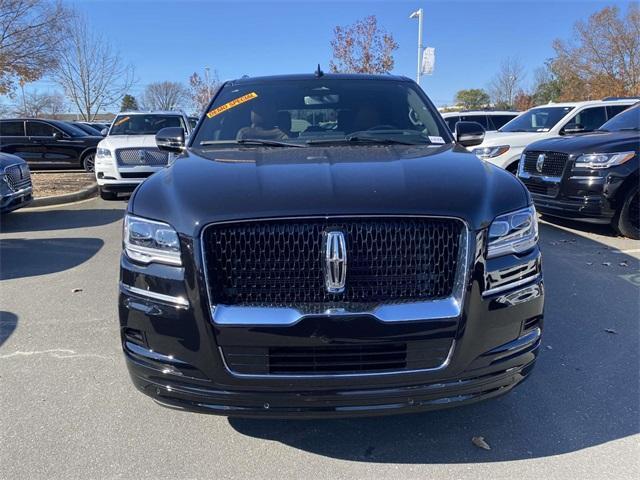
(303, 112)
(70, 129)
(540, 119)
(88, 130)
(142, 124)
(627, 120)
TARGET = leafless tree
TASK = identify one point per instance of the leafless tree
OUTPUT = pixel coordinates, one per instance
(603, 57)
(507, 83)
(29, 40)
(164, 96)
(35, 104)
(91, 73)
(202, 88)
(362, 48)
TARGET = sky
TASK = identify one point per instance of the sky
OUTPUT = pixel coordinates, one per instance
(169, 40)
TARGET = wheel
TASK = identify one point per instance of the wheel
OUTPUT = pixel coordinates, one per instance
(88, 162)
(627, 221)
(107, 195)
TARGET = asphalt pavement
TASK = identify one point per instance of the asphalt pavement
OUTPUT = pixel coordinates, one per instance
(68, 409)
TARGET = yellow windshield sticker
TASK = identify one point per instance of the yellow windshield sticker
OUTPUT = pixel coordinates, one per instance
(231, 104)
(121, 121)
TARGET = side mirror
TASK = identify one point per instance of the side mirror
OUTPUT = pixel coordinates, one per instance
(104, 132)
(469, 134)
(573, 128)
(171, 139)
(57, 135)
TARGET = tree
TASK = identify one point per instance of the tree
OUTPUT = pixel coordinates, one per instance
(506, 83)
(362, 48)
(91, 74)
(547, 86)
(201, 89)
(129, 103)
(29, 40)
(164, 96)
(35, 104)
(472, 99)
(603, 57)
(523, 101)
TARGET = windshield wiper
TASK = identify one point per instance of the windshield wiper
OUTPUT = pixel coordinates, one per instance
(364, 139)
(252, 141)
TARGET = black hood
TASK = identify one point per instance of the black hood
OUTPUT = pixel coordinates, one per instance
(595, 142)
(246, 183)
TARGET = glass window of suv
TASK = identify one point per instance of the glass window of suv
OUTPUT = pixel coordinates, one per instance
(539, 119)
(498, 121)
(307, 111)
(11, 128)
(478, 118)
(613, 110)
(145, 124)
(40, 129)
(627, 120)
(587, 120)
(451, 122)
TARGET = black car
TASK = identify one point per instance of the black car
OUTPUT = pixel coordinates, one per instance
(48, 143)
(88, 129)
(322, 247)
(15, 183)
(590, 177)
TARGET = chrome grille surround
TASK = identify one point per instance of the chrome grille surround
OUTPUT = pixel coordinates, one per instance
(553, 166)
(18, 176)
(415, 310)
(137, 157)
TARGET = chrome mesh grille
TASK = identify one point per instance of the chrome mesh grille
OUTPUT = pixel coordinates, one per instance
(281, 263)
(553, 166)
(18, 176)
(132, 157)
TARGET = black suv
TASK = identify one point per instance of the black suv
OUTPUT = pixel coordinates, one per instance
(590, 177)
(323, 247)
(48, 143)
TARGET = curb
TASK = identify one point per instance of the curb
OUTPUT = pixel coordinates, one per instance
(66, 198)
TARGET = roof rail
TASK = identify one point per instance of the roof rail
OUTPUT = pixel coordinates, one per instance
(620, 98)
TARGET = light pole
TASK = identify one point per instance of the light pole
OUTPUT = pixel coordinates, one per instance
(418, 14)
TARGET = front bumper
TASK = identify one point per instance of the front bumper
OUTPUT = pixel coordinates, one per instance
(173, 348)
(114, 178)
(10, 201)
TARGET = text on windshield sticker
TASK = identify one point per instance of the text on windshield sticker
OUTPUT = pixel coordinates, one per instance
(231, 104)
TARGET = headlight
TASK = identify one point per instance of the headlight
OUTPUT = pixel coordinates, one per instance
(513, 232)
(603, 160)
(491, 152)
(148, 241)
(103, 153)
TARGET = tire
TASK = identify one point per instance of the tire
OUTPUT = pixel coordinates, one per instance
(88, 162)
(106, 195)
(627, 221)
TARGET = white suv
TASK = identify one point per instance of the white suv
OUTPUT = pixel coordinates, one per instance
(128, 154)
(505, 146)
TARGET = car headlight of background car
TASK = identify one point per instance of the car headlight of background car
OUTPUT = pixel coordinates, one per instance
(490, 152)
(514, 232)
(103, 153)
(603, 160)
(148, 241)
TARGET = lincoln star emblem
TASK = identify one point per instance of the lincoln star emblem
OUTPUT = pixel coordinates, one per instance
(335, 261)
(540, 163)
(142, 156)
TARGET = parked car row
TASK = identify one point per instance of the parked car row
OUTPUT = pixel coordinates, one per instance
(491, 120)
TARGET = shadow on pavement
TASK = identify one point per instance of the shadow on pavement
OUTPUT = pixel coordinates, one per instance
(583, 392)
(41, 220)
(8, 324)
(598, 228)
(21, 257)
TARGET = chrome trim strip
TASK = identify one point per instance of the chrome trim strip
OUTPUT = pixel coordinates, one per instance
(17, 193)
(442, 366)
(524, 174)
(450, 307)
(177, 301)
(148, 353)
(511, 285)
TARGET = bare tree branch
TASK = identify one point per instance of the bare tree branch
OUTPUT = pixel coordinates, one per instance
(92, 75)
(164, 96)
